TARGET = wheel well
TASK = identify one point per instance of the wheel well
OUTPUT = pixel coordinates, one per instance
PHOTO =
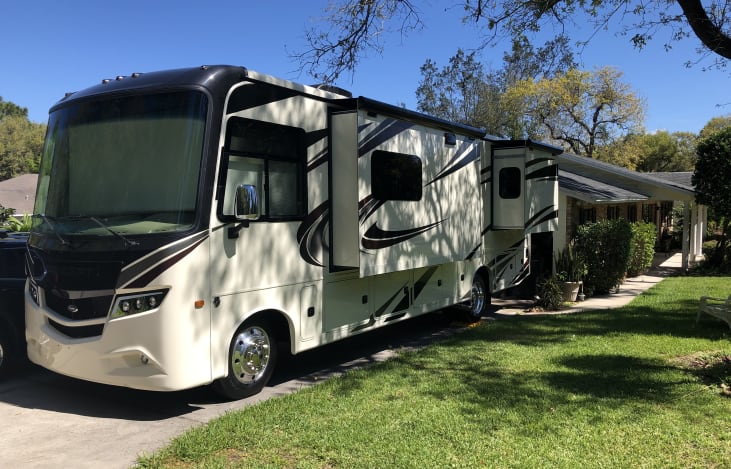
(278, 321)
(485, 274)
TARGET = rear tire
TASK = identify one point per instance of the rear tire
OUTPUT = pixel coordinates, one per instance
(251, 360)
(479, 299)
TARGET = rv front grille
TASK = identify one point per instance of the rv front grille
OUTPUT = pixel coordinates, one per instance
(79, 309)
(82, 332)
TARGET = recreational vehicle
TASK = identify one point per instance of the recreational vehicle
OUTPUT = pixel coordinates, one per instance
(190, 222)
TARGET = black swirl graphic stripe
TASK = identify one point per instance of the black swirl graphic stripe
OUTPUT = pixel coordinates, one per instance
(137, 268)
(244, 101)
(376, 238)
(538, 161)
(548, 173)
(310, 234)
(548, 213)
(320, 158)
(421, 283)
(385, 131)
(368, 207)
(470, 157)
(150, 275)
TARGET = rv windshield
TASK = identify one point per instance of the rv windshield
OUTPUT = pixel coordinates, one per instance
(122, 166)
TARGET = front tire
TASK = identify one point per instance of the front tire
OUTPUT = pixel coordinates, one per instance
(251, 360)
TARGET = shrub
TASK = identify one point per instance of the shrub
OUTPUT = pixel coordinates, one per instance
(550, 294)
(605, 246)
(5, 214)
(570, 266)
(642, 248)
(20, 224)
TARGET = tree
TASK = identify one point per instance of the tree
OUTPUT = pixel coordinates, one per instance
(578, 110)
(354, 27)
(714, 125)
(664, 151)
(8, 109)
(452, 93)
(657, 152)
(21, 143)
(712, 181)
(463, 91)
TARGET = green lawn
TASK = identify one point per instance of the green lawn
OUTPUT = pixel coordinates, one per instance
(640, 386)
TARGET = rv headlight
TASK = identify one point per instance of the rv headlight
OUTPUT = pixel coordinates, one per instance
(137, 303)
(33, 291)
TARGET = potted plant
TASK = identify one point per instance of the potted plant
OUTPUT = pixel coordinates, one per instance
(570, 271)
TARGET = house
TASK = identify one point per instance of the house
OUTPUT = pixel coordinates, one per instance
(19, 193)
(591, 190)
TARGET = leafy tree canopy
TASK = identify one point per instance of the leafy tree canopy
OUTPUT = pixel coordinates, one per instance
(8, 109)
(21, 141)
(465, 91)
(712, 175)
(578, 110)
(351, 28)
(714, 125)
(657, 152)
(712, 181)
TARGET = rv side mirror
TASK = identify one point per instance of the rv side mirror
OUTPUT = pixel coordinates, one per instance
(246, 206)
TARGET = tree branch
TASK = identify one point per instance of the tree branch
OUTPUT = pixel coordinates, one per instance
(710, 34)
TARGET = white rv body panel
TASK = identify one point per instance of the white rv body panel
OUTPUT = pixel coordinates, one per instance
(359, 214)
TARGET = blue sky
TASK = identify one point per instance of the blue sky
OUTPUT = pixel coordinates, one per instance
(50, 47)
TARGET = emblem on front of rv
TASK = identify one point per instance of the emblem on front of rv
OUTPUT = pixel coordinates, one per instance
(73, 309)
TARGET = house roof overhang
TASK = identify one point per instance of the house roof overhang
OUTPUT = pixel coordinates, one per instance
(595, 192)
(603, 181)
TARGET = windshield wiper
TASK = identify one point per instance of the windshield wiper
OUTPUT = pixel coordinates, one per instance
(128, 242)
(47, 220)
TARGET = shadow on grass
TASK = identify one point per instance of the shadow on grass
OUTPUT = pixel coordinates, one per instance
(482, 376)
(614, 377)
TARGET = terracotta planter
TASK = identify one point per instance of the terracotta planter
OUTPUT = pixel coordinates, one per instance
(570, 290)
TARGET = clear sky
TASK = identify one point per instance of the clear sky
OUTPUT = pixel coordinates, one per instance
(49, 47)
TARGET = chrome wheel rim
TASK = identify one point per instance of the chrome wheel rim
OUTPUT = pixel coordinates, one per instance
(477, 298)
(250, 354)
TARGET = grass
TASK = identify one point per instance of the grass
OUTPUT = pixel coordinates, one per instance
(640, 386)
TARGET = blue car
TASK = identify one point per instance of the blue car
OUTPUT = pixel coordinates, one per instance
(12, 316)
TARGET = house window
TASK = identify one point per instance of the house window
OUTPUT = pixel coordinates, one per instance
(612, 213)
(587, 215)
(632, 213)
(648, 213)
(395, 176)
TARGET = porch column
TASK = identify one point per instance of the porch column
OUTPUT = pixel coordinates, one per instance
(702, 223)
(694, 232)
(686, 235)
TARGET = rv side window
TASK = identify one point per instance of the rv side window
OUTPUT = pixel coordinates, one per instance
(395, 176)
(269, 157)
(510, 183)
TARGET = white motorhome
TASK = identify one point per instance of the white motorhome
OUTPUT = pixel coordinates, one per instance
(190, 221)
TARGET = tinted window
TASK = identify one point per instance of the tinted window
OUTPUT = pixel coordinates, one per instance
(271, 158)
(510, 183)
(395, 176)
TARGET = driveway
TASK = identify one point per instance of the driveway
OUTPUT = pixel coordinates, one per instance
(50, 421)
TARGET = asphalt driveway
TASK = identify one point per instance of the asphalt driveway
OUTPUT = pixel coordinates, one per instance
(50, 421)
